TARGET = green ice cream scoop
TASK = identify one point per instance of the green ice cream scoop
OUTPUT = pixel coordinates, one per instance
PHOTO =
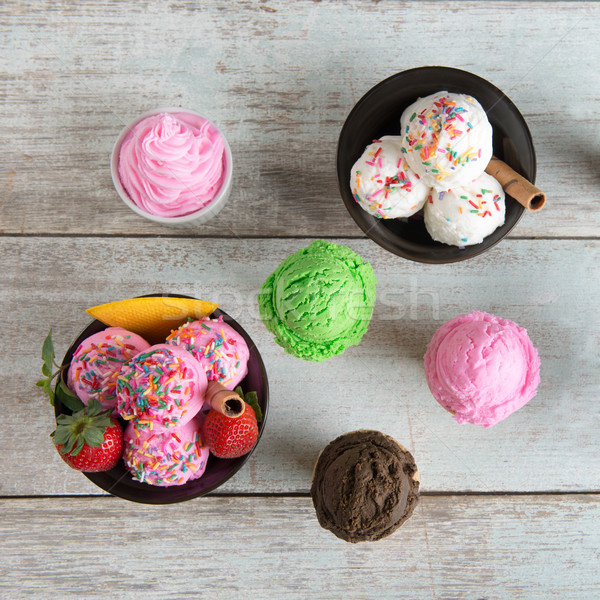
(319, 301)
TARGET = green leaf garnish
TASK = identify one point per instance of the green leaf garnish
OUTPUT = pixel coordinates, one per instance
(67, 397)
(46, 385)
(47, 365)
(48, 355)
(63, 393)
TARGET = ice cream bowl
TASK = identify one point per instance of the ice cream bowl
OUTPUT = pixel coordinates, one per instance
(191, 219)
(119, 482)
(378, 113)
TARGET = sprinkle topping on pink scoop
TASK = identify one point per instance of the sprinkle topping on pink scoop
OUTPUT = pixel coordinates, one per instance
(171, 457)
(97, 361)
(220, 349)
(163, 387)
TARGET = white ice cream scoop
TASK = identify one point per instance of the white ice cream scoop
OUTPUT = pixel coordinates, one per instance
(446, 139)
(463, 216)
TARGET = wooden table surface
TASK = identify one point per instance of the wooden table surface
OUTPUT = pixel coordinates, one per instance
(509, 512)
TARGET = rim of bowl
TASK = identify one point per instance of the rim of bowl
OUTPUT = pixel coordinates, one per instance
(199, 216)
(133, 491)
(343, 184)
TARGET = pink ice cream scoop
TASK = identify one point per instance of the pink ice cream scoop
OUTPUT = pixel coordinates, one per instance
(482, 368)
(172, 164)
(163, 387)
(97, 361)
(171, 457)
(220, 349)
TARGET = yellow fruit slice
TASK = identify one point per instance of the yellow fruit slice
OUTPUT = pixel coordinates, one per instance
(154, 317)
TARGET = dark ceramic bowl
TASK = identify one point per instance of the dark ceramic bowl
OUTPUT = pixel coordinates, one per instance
(118, 481)
(378, 113)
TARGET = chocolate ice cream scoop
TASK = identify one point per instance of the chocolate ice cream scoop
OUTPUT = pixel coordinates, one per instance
(365, 485)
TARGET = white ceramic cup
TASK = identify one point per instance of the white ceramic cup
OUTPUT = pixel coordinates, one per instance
(192, 219)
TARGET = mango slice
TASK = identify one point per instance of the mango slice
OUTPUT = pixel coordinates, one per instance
(153, 317)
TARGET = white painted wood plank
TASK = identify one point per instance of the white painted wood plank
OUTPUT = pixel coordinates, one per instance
(453, 547)
(279, 78)
(549, 287)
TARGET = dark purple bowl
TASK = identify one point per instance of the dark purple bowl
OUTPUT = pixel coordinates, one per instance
(118, 481)
(378, 113)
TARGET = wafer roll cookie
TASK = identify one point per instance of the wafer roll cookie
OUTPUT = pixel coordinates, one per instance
(515, 185)
(223, 400)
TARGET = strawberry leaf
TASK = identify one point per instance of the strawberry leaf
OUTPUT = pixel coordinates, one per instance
(78, 447)
(94, 407)
(69, 443)
(103, 419)
(251, 398)
(64, 419)
(60, 435)
(93, 437)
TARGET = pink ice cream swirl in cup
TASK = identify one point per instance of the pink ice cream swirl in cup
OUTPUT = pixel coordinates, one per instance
(172, 164)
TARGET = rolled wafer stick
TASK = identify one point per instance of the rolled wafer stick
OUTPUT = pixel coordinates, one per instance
(515, 185)
(223, 400)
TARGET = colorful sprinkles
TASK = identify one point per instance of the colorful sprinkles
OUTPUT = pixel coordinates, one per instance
(471, 211)
(433, 134)
(479, 203)
(167, 458)
(389, 189)
(96, 364)
(155, 387)
(219, 355)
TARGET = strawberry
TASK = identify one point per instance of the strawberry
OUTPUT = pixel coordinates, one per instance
(89, 440)
(228, 437)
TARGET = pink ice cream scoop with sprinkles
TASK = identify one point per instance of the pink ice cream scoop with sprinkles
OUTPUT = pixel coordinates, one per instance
(162, 387)
(218, 347)
(171, 457)
(96, 363)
